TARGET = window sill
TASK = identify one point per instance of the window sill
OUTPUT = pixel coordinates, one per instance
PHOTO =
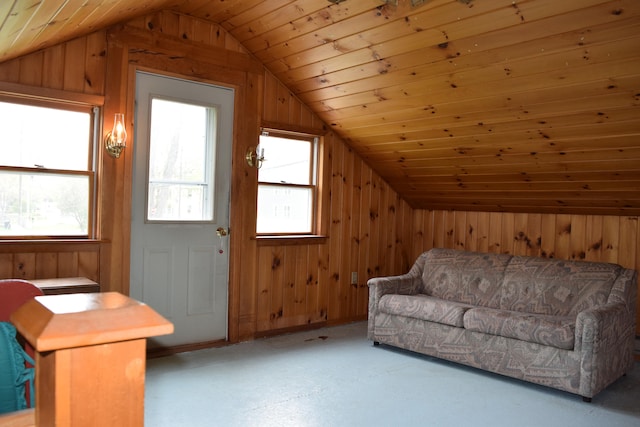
(12, 245)
(311, 239)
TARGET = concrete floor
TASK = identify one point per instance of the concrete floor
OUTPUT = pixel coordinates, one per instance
(335, 377)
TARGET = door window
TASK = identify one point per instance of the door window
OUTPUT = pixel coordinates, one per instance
(181, 162)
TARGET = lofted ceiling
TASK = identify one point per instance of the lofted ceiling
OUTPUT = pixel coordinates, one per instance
(495, 105)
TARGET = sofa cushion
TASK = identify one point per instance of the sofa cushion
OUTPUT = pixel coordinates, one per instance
(555, 287)
(424, 307)
(555, 331)
(463, 276)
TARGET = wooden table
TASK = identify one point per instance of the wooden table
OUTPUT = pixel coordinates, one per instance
(66, 285)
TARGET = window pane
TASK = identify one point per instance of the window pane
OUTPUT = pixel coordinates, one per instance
(287, 160)
(44, 137)
(181, 162)
(284, 209)
(178, 141)
(43, 204)
(171, 202)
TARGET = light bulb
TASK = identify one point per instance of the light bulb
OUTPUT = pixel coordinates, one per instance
(119, 133)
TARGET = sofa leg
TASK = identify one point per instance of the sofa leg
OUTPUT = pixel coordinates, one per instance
(376, 343)
(586, 399)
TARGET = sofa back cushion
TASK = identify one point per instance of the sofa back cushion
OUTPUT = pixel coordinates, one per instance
(467, 277)
(555, 287)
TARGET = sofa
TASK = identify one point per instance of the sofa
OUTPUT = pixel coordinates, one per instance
(568, 325)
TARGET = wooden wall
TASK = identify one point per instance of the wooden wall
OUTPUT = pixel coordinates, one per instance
(299, 284)
(38, 260)
(75, 69)
(77, 66)
(274, 286)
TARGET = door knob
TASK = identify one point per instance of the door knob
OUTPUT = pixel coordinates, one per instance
(221, 231)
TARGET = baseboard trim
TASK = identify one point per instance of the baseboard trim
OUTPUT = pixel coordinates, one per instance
(289, 330)
(168, 351)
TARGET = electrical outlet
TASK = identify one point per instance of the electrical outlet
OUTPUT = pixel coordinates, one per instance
(354, 277)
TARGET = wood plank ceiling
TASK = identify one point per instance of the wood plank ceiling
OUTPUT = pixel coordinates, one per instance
(494, 105)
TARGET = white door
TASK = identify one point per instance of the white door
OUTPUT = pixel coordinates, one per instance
(180, 205)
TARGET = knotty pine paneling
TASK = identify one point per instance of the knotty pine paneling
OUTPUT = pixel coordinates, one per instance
(170, 44)
(39, 260)
(458, 105)
(302, 284)
(370, 229)
(183, 27)
(280, 286)
(76, 66)
(25, 26)
(602, 238)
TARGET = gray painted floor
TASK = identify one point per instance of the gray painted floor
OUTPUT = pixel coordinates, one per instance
(335, 377)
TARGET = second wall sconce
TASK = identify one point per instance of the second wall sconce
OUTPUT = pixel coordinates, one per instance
(255, 157)
(116, 140)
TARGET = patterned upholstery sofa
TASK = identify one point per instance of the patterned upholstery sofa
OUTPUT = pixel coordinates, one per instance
(569, 325)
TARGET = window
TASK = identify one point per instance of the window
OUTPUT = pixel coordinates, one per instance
(287, 184)
(181, 162)
(46, 169)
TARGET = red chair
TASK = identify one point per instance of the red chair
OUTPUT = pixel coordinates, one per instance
(13, 294)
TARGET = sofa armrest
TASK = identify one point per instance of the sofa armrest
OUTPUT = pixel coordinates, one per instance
(625, 290)
(403, 285)
(605, 339)
(406, 284)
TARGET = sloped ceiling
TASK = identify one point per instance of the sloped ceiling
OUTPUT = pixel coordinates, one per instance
(495, 105)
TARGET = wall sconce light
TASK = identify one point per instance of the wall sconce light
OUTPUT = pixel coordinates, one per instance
(255, 157)
(116, 139)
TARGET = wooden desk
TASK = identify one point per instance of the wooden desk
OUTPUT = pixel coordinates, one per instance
(66, 285)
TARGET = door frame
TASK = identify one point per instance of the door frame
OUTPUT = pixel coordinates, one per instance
(180, 239)
(115, 217)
